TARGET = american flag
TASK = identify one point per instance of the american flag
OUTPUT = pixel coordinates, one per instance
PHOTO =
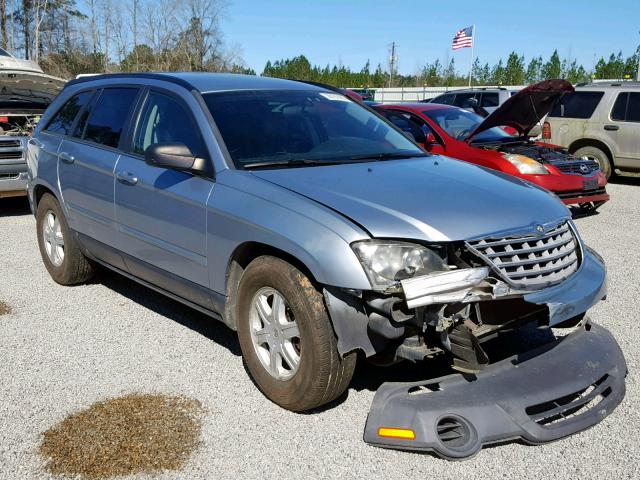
(463, 39)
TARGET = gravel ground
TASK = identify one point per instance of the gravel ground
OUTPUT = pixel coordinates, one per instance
(62, 349)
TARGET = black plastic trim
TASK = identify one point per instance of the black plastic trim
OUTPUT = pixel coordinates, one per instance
(191, 294)
(497, 402)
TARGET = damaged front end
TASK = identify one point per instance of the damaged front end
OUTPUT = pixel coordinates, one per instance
(541, 275)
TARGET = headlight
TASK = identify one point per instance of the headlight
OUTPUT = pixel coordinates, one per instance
(388, 262)
(525, 164)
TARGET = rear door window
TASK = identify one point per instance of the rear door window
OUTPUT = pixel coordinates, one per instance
(577, 105)
(63, 120)
(406, 123)
(461, 98)
(109, 115)
(444, 99)
(489, 100)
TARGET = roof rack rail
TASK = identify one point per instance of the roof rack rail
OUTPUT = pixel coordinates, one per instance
(610, 83)
(150, 75)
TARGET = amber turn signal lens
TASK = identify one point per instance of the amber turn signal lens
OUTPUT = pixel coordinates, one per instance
(401, 433)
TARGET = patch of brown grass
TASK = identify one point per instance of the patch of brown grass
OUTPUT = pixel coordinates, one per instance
(123, 436)
(5, 309)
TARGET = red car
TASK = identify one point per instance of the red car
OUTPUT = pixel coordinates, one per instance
(501, 141)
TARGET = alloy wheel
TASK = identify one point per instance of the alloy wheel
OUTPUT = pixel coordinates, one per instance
(275, 333)
(53, 238)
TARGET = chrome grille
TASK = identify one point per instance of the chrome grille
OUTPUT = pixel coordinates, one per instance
(579, 168)
(10, 155)
(10, 142)
(534, 260)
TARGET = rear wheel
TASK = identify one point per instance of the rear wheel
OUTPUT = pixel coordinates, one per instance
(594, 153)
(286, 337)
(60, 251)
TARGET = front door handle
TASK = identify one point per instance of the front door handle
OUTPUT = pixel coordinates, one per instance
(611, 127)
(127, 178)
(66, 157)
(37, 143)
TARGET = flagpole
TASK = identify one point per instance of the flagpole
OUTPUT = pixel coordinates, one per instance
(473, 43)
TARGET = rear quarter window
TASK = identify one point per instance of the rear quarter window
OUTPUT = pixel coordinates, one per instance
(63, 119)
(619, 109)
(577, 105)
(633, 107)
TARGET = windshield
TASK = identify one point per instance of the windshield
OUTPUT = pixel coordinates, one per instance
(459, 123)
(273, 126)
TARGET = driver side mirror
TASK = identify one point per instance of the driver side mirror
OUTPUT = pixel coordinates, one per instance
(176, 156)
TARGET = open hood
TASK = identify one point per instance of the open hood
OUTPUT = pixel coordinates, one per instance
(526, 108)
(27, 92)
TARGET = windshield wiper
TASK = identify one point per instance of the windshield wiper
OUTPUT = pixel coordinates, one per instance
(296, 162)
(387, 156)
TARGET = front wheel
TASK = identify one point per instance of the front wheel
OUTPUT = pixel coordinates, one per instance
(286, 337)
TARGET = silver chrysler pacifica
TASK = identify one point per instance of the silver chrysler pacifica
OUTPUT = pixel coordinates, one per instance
(321, 234)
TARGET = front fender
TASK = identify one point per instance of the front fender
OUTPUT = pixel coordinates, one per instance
(243, 208)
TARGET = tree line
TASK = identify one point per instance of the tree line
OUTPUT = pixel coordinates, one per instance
(515, 71)
(67, 39)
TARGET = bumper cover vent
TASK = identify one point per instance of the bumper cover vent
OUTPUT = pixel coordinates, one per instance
(554, 412)
(534, 260)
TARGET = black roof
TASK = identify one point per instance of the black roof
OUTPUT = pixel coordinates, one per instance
(207, 82)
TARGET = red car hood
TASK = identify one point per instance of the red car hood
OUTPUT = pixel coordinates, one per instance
(526, 108)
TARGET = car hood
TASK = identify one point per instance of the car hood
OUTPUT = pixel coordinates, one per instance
(526, 108)
(27, 92)
(433, 198)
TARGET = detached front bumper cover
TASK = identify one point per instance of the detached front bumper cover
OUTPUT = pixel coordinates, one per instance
(540, 396)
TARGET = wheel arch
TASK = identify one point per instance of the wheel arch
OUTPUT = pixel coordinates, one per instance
(592, 142)
(38, 192)
(241, 257)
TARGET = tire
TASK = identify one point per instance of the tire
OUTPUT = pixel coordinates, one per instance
(599, 156)
(320, 374)
(68, 266)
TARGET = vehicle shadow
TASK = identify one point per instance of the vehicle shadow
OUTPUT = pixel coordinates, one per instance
(626, 179)
(14, 207)
(367, 376)
(188, 317)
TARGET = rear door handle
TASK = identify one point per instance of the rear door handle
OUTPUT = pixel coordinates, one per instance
(611, 127)
(66, 157)
(127, 178)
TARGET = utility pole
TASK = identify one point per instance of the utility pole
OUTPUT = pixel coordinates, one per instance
(638, 72)
(392, 63)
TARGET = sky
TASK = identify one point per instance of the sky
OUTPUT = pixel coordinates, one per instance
(349, 32)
